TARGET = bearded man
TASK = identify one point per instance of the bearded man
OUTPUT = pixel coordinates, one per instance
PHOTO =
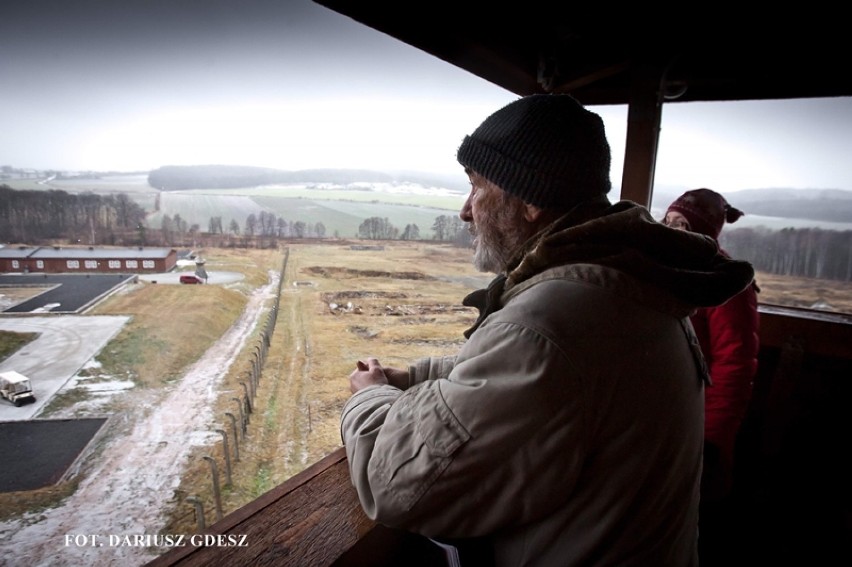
(568, 428)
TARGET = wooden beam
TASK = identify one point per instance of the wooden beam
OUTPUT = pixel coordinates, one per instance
(643, 130)
(568, 85)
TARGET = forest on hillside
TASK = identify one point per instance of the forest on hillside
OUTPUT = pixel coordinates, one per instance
(809, 252)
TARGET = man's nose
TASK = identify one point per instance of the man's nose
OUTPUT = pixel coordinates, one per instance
(465, 212)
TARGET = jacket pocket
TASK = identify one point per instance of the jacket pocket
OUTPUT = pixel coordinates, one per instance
(423, 445)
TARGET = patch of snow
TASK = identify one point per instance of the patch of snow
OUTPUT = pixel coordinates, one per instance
(108, 387)
(46, 308)
(91, 363)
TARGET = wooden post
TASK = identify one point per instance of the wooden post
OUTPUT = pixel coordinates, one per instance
(643, 130)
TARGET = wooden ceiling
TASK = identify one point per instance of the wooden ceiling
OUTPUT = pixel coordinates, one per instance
(529, 49)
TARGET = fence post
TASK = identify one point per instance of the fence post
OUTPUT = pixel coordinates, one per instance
(248, 397)
(214, 472)
(243, 418)
(227, 456)
(251, 388)
(199, 512)
(255, 367)
(236, 436)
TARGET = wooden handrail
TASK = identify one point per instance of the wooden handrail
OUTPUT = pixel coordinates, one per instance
(311, 519)
(821, 333)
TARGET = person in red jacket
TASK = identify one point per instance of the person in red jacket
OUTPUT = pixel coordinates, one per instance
(728, 335)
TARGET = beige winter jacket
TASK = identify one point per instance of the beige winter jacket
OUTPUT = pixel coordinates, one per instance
(566, 431)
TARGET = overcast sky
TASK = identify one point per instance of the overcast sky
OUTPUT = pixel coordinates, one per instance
(131, 85)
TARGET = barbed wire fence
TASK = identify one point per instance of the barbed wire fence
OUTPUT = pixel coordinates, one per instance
(236, 423)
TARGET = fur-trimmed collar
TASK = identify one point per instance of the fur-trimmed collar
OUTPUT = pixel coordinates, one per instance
(625, 238)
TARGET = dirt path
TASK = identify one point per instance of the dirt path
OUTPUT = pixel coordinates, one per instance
(121, 500)
(293, 435)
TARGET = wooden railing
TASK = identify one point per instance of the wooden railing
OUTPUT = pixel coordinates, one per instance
(311, 519)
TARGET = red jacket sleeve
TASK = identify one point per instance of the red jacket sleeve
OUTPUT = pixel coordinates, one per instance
(729, 340)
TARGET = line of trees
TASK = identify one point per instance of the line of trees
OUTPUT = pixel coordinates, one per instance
(447, 228)
(32, 216)
(28, 216)
(264, 227)
(807, 252)
(261, 230)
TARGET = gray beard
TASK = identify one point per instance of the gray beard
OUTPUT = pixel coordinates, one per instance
(494, 250)
(501, 235)
(485, 259)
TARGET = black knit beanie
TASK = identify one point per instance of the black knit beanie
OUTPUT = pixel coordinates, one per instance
(545, 149)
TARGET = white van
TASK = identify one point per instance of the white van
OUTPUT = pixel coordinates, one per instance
(16, 388)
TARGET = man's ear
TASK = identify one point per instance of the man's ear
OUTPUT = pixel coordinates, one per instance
(532, 213)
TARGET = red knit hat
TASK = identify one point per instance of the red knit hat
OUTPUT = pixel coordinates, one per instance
(705, 210)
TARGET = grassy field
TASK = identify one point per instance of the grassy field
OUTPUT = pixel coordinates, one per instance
(338, 305)
(339, 217)
(808, 293)
(435, 200)
(10, 342)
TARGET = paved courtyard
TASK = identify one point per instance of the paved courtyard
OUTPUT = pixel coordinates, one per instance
(64, 344)
(62, 293)
(39, 452)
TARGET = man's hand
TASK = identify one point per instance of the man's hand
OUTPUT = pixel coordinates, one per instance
(371, 373)
(397, 377)
(368, 373)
